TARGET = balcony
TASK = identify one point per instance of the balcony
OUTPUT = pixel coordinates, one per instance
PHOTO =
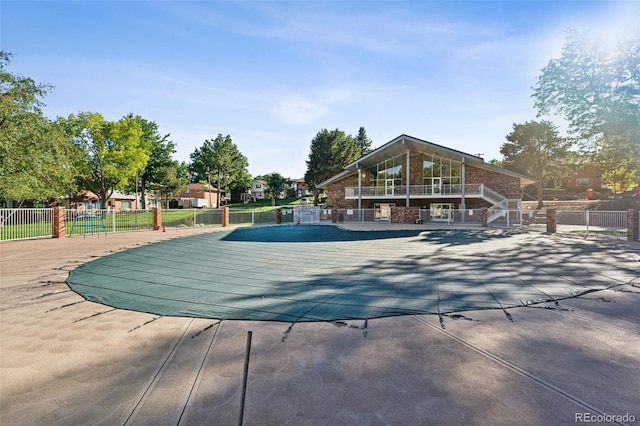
(473, 190)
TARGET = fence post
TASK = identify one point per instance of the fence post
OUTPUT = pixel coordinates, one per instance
(485, 217)
(551, 221)
(157, 218)
(632, 225)
(225, 216)
(58, 224)
(587, 221)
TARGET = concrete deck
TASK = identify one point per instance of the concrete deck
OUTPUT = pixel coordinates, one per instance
(67, 361)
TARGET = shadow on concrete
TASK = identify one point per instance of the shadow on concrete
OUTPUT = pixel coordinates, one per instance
(211, 276)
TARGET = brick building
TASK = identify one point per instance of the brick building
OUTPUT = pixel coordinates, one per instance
(408, 174)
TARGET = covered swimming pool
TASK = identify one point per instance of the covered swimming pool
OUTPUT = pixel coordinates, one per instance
(302, 273)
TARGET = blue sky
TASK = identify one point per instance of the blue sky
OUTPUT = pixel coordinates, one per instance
(272, 74)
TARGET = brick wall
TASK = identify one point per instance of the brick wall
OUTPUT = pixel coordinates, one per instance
(335, 193)
(506, 185)
(404, 214)
(417, 176)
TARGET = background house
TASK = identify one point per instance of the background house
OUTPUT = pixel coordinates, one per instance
(576, 186)
(300, 187)
(257, 189)
(197, 195)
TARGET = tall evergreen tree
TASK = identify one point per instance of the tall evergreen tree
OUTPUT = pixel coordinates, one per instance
(330, 152)
(363, 142)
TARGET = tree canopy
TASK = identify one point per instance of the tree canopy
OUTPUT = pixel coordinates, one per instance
(111, 152)
(535, 149)
(174, 180)
(276, 183)
(155, 175)
(596, 88)
(330, 152)
(363, 142)
(35, 155)
(222, 159)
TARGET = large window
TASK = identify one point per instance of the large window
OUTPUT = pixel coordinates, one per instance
(440, 171)
(386, 174)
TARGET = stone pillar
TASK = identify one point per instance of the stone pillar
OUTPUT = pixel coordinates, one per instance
(59, 227)
(225, 216)
(552, 220)
(485, 217)
(157, 218)
(334, 215)
(632, 225)
(278, 216)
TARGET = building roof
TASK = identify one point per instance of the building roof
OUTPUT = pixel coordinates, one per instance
(402, 143)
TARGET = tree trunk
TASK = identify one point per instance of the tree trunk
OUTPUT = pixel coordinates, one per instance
(539, 189)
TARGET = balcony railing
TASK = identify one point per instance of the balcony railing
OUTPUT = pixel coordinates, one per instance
(415, 191)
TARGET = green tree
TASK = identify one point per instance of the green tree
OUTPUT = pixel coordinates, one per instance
(35, 155)
(535, 149)
(363, 142)
(154, 176)
(330, 152)
(221, 159)
(619, 169)
(173, 181)
(276, 183)
(112, 152)
(596, 88)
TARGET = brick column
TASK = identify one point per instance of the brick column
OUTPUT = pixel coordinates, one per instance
(334, 215)
(157, 218)
(278, 216)
(225, 216)
(632, 225)
(552, 220)
(59, 227)
(485, 217)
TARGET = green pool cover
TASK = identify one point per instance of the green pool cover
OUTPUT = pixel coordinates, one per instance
(323, 273)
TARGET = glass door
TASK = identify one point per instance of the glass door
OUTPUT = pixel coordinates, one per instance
(440, 212)
(389, 186)
(436, 185)
(383, 211)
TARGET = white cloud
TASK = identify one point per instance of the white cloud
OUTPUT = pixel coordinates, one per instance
(297, 110)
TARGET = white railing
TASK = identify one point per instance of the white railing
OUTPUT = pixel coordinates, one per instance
(20, 224)
(27, 223)
(592, 222)
(492, 196)
(415, 191)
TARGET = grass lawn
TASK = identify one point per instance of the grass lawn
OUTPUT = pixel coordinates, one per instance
(265, 205)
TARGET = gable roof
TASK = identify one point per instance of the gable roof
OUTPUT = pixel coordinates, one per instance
(402, 143)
